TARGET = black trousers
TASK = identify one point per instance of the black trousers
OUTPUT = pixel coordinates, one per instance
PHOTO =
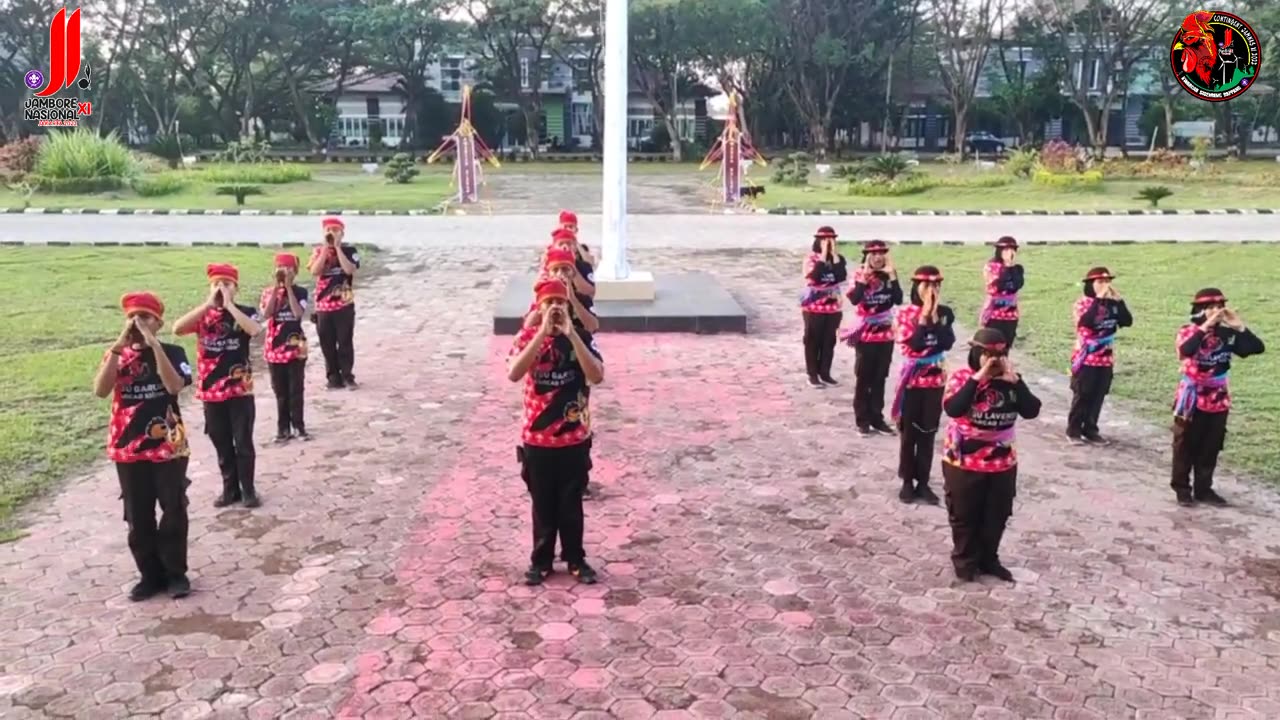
(288, 382)
(336, 330)
(159, 550)
(921, 413)
(555, 478)
(978, 508)
(1089, 388)
(1196, 444)
(229, 425)
(820, 342)
(871, 368)
(1008, 328)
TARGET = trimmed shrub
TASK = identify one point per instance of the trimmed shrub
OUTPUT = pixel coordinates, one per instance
(792, 170)
(249, 173)
(75, 185)
(82, 154)
(159, 185)
(400, 169)
(19, 157)
(170, 146)
(244, 151)
(1154, 194)
(1058, 156)
(981, 181)
(880, 187)
(240, 192)
(1022, 162)
(1088, 180)
(889, 167)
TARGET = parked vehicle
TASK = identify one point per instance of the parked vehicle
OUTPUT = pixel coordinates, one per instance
(984, 143)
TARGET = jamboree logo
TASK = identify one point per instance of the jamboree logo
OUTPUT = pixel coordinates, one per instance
(44, 107)
(1215, 56)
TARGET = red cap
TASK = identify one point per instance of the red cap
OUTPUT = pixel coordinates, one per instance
(927, 273)
(875, 246)
(219, 272)
(1098, 273)
(826, 231)
(332, 222)
(557, 256)
(563, 235)
(568, 217)
(1007, 242)
(146, 302)
(549, 289)
(288, 260)
(1209, 295)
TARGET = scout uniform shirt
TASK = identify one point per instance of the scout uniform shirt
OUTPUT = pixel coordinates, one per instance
(1097, 320)
(286, 340)
(873, 297)
(335, 289)
(981, 440)
(146, 423)
(1003, 284)
(1206, 362)
(822, 280)
(222, 349)
(556, 394)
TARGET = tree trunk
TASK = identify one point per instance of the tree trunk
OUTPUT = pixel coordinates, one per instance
(959, 127)
(533, 137)
(1104, 121)
(1168, 123)
(298, 105)
(410, 133)
(818, 138)
(677, 152)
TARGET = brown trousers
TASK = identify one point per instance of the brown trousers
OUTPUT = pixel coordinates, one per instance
(1196, 444)
(978, 508)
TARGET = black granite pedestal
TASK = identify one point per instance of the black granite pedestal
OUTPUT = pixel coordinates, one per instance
(691, 302)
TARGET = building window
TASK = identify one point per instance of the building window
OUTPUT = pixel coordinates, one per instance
(1078, 71)
(583, 121)
(1093, 73)
(524, 73)
(639, 127)
(451, 74)
(371, 106)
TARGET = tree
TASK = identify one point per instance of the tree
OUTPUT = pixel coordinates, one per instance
(730, 39)
(24, 39)
(962, 31)
(400, 37)
(1097, 44)
(660, 60)
(516, 36)
(582, 48)
(1025, 87)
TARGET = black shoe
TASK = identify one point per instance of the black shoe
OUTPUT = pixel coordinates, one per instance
(996, 570)
(1096, 439)
(251, 500)
(882, 427)
(225, 500)
(584, 572)
(1075, 439)
(908, 492)
(926, 493)
(815, 382)
(179, 587)
(967, 575)
(535, 575)
(1211, 497)
(303, 436)
(586, 492)
(282, 438)
(865, 431)
(351, 382)
(146, 589)
(828, 380)
(1185, 499)
(335, 384)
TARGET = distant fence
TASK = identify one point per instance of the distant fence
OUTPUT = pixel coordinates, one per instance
(366, 156)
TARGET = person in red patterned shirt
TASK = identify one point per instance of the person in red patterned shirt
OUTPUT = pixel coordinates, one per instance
(925, 333)
(558, 363)
(1003, 276)
(1200, 408)
(225, 370)
(1098, 315)
(874, 295)
(824, 274)
(334, 265)
(569, 223)
(147, 441)
(979, 463)
(284, 304)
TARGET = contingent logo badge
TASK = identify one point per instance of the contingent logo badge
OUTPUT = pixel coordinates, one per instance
(45, 108)
(1215, 56)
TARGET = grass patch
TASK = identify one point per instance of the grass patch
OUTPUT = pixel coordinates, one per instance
(1157, 282)
(51, 344)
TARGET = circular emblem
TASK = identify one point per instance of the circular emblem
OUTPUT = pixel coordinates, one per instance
(1215, 56)
(34, 79)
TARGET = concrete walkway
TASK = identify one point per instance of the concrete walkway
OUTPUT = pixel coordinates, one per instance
(755, 562)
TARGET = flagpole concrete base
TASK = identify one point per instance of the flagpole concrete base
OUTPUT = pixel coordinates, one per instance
(638, 286)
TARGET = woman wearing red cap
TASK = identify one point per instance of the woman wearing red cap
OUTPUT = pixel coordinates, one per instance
(334, 266)
(1203, 401)
(560, 263)
(824, 273)
(147, 441)
(1098, 315)
(874, 295)
(223, 329)
(1004, 279)
(285, 349)
(979, 463)
(925, 334)
(558, 363)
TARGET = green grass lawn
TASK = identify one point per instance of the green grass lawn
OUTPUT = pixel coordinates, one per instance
(60, 313)
(1157, 282)
(1249, 184)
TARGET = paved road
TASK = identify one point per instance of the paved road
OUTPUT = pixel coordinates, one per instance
(676, 231)
(681, 191)
(755, 562)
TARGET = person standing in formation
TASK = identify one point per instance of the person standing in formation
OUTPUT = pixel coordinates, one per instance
(874, 294)
(1200, 409)
(558, 363)
(147, 441)
(1099, 314)
(582, 283)
(824, 273)
(223, 330)
(925, 334)
(284, 304)
(559, 264)
(1004, 279)
(582, 253)
(980, 465)
(334, 265)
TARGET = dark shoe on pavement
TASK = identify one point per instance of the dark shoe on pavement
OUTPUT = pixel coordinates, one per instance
(584, 572)
(1211, 498)
(815, 382)
(828, 380)
(1185, 499)
(865, 431)
(1096, 439)
(252, 501)
(351, 382)
(996, 570)
(335, 384)
(146, 589)
(926, 493)
(282, 438)
(1075, 438)
(179, 587)
(882, 427)
(535, 575)
(304, 436)
(967, 575)
(908, 492)
(225, 500)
